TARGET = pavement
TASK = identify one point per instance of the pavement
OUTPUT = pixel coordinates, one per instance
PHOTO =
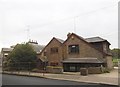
(106, 78)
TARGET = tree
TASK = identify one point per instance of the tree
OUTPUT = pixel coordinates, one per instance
(22, 57)
(116, 53)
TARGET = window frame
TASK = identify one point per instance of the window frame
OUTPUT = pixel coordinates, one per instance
(74, 50)
(54, 50)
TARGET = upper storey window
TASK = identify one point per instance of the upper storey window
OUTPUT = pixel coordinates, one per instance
(73, 49)
(54, 50)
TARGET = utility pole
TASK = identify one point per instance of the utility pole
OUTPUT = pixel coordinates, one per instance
(28, 32)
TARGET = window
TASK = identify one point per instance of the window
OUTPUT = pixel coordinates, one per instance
(105, 47)
(72, 68)
(45, 53)
(54, 50)
(73, 49)
(6, 55)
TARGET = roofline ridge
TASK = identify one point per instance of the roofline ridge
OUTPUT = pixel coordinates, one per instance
(96, 37)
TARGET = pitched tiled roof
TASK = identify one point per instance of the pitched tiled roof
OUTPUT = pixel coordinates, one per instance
(7, 49)
(37, 48)
(60, 40)
(83, 60)
(85, 40)
(95, 39)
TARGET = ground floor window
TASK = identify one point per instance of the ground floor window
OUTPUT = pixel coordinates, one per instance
(75, 67)
(72, 68)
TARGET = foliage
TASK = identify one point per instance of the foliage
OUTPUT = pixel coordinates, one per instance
(22, 57)
(106, 70)
(115, 60)
(116, 53)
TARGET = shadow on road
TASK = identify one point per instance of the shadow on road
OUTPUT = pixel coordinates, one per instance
(59, 86)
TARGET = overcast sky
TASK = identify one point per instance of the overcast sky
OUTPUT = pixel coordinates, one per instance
(55, 18)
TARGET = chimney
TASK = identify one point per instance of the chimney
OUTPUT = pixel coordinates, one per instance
(68, 34)
(36, 42)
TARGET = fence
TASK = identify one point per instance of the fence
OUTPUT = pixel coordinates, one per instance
(19, 66)
(30, 67)
(23, 68)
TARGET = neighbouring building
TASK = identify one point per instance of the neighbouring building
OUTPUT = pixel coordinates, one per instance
(52, 53)
(5, 52)
(0, 59)
(37, 48)
(76, 52)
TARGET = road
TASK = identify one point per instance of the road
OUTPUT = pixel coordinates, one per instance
(23, 80)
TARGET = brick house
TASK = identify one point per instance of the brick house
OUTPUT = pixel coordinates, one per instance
(4, 53)
(1, 59)
(76, 52)
(52, 53)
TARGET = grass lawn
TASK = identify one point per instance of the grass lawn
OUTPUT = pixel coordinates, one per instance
(116, 60)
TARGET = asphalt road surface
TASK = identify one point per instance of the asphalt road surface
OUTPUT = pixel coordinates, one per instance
(34, 81)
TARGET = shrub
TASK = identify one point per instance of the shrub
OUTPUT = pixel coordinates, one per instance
(106, 70)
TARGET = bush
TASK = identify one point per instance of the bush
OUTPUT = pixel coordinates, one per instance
(106, 70)
(22, 56)
(8, 69)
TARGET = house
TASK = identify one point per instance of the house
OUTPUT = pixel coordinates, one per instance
(36, 47)
(99, 43)
(5, 52)
(0, 59)
(52, 53)
(77, 52)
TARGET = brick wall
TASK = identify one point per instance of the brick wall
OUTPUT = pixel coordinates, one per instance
(85, 49)
(94, 70)
(53, 57)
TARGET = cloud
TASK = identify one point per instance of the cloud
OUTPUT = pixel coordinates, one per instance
(48, 18)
